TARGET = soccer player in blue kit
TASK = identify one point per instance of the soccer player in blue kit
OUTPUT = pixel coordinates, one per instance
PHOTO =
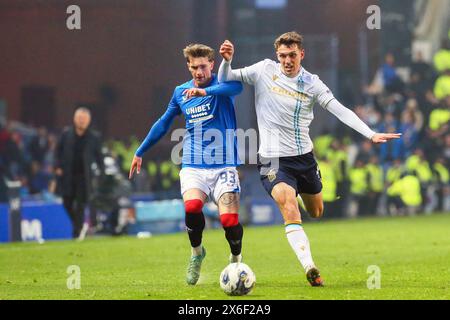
(207, 172)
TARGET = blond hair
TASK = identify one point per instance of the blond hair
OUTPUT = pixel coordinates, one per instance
(197, 50)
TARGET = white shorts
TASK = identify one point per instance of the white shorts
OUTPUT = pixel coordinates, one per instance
(213, 182)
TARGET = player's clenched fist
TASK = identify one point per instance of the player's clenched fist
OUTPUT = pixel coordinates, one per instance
(194, 92)
(135, 165)
(227, 50)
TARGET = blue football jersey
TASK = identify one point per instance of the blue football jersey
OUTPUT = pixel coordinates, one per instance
(210, 139)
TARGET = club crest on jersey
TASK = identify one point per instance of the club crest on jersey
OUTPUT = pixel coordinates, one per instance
(275, 77)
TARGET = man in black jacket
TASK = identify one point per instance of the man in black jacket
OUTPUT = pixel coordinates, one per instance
(78, 149)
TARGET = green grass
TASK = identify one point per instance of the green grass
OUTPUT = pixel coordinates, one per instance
(413, 254)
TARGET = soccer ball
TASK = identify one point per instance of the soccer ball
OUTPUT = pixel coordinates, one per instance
(237, 279)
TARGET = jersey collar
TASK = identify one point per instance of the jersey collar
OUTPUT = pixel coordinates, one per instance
(296, 77)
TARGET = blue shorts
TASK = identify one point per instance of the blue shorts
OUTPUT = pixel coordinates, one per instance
(300, 172)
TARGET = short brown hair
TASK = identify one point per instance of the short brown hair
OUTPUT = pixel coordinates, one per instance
(288, 39)
(197, 50)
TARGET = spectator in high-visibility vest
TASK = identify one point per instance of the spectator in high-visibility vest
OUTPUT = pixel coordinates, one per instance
(419, 165)
(442, 58)
(152, 170)
(130, 147)
(328, 187)
(442, 86)
(442, 177)
(446, 148)
(394, 172)
(406, 194)
(358, 188)
(376, 183)
(439, 119)
(118, 148)
(125, 152)
(438, 128)
(169, 177)
(322, 143)
(338, 158)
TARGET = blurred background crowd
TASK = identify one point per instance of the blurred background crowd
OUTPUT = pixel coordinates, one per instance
(410, 174)
(405, 176)
(397, 79)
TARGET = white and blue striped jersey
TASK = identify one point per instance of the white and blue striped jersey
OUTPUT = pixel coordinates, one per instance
(284, 107)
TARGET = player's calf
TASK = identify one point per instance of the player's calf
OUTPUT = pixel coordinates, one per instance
(313, 204)
(195, 223)
(316, 212)
(233, 232)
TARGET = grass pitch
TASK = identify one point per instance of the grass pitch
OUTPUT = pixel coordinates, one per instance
(413, 254)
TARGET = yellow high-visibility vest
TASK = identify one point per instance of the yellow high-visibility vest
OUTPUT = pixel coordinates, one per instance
(358, 181)
(442, 87)
(408, 188)
(393, 174)
(443, 172)
(376, 180)
(442, 60)
(438, 118)
(321, 144)
(328, 181)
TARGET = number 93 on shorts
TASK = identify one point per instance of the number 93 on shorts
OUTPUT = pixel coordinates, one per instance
(213, 182)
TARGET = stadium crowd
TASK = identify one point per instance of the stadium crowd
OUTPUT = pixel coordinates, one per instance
(407, 175)
(403, 177)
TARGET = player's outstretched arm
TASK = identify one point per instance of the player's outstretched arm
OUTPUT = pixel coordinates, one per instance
(348, 117)
(384, 137)
(248, 75)
(158, 130)
(226, 73)
(228, 89)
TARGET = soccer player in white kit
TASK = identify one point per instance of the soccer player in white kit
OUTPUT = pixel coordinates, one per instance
(285, 94)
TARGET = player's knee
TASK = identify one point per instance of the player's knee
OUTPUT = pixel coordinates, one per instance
(229, 220)
(283, 194)
(281, 198)
(229, 200)
(193, 206)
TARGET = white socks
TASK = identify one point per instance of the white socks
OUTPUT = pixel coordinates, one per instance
(300, 244)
